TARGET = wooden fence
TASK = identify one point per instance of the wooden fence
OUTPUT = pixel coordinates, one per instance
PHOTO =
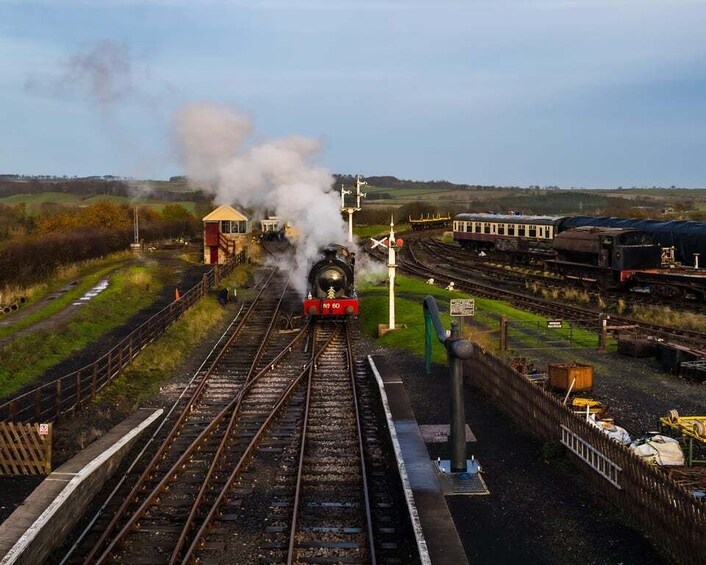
(56, 398)
(25, 449)
(666, 512)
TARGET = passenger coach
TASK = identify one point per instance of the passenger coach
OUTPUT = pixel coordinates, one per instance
(524, 235)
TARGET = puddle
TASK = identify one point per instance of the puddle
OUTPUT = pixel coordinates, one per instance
(100, 287)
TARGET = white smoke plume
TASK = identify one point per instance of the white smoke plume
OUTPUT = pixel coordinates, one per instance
(109, 78)
(277, 175)
(103, 73)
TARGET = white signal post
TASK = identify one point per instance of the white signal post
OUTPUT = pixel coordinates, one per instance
(391, 244)
(351, 209)
(391, 266)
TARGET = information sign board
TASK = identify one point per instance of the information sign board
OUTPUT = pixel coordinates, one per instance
(554, 324)
(463, 306)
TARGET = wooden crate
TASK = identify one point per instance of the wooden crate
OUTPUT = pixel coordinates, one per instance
(561, 375)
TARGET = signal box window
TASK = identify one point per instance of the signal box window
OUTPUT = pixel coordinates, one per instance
(228, 226)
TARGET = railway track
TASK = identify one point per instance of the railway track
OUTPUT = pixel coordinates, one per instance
(495, 267)
(266, 461)
(413, 264)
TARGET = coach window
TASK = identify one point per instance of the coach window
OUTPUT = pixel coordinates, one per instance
(521, 230)
(511, 229)
(549, 232)
(501, 229)
(541, 232)
(486, 227)
(533, 231)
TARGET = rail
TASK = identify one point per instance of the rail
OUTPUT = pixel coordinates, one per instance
(56, 398)
(649, 498)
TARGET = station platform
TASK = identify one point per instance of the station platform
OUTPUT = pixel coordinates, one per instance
(40, 524)
(437, 538)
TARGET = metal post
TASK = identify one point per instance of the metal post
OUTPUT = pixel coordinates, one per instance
(457, 438)
(458, 349)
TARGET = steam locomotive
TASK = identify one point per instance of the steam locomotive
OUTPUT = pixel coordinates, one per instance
(641, 255)
(331, 291)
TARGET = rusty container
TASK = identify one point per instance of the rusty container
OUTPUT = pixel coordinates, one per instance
(561, 375)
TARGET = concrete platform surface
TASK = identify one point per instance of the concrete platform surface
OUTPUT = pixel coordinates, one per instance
(438, 539)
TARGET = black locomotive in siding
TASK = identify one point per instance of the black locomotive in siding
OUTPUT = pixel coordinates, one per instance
(642, 255)
(331, 284)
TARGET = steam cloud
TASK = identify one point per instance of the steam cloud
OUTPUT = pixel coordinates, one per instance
(277, 175)
(103, 73)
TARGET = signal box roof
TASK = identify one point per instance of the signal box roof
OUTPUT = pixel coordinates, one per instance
(225, 212)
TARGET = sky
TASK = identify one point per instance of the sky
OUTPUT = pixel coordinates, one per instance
(596, 93)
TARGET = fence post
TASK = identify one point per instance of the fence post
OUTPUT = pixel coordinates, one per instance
(38, 403)
(503, 333)
(94, 380)
(602, 332)
(13, 411)
(58, 398)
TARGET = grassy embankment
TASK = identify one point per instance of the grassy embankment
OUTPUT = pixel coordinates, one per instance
(88, 274)
(162, 358)
(530, 329)
(130, 289)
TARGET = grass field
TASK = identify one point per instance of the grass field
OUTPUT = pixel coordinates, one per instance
(35, 201)
(483, 328)
(375, 231)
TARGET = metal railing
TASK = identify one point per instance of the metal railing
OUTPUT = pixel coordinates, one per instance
(52, 400)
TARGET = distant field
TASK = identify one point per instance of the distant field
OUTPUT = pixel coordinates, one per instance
(35, 201)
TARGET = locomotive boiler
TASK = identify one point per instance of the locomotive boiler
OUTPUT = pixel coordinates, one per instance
(331, 285)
